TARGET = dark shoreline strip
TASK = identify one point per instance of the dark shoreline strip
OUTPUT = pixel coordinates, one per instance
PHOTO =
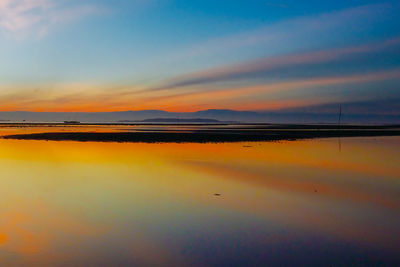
(200, 137)
(212, 125)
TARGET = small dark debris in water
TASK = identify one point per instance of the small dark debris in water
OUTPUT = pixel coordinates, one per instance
(315, 191)
(247, 146)
(217, 194)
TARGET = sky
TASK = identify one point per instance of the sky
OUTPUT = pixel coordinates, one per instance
(175, 55)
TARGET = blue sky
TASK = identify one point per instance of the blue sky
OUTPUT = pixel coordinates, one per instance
(81, 55)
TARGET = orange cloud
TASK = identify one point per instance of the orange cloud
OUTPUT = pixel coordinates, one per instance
(95, 98)
(258, 97)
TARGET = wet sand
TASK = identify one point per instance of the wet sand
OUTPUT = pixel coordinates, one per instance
(212, 133)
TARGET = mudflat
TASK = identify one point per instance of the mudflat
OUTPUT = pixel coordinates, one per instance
(216, 133)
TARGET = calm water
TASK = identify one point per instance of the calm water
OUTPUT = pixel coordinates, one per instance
(322, 202)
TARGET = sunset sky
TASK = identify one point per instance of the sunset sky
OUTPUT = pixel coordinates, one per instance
(175, 55)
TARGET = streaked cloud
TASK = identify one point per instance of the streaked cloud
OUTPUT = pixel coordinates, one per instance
(275, 95)
(271, 96)
(266, 67)
(68, 97)
(317, 28)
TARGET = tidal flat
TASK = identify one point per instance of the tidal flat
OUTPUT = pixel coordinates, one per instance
(194, 133)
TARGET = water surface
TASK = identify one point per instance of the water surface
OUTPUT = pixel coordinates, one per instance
(323, 201)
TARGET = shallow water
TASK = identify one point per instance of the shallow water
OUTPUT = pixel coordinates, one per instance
(321, 202)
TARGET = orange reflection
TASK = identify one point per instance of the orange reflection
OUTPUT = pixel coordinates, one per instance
(3, 238)
(57, 193)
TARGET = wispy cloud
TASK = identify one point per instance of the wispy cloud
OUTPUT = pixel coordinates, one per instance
(67, 97)
(266, 66)
(37, 17)
(273, 96)
(292, 31)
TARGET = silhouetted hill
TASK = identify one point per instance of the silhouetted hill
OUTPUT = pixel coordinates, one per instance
(176, 120)
(284, 116)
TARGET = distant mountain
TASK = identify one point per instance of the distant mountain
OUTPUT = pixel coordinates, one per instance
(171, 120)
(284, 116)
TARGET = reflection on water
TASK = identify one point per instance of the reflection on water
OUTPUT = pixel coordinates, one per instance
(27, 128)
(277, 203)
